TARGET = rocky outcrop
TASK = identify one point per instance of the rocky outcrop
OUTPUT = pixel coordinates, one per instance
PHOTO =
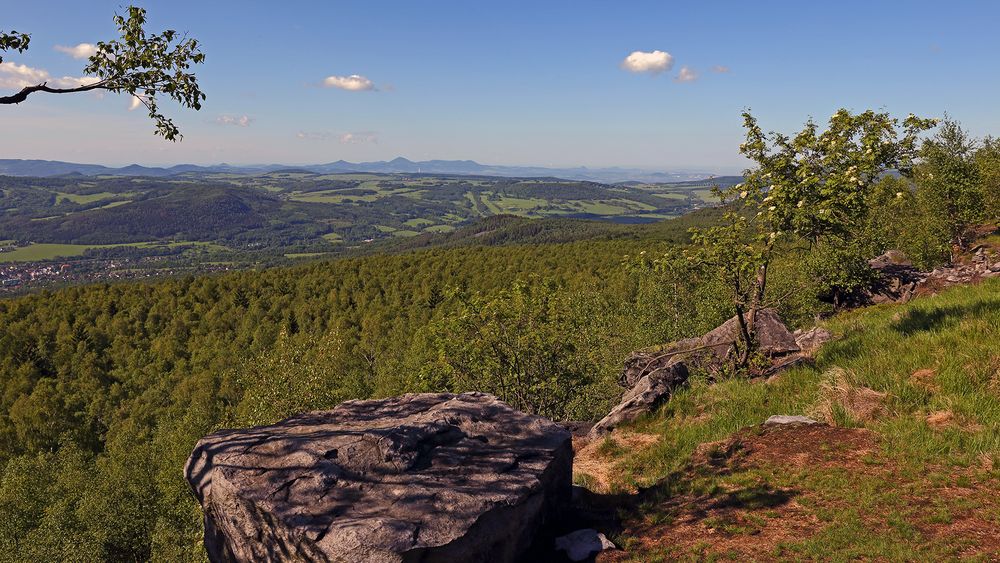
(773, 337)
(811, 340)
(898, 281)
(648, 393)
(422, 477)
(652, 375)
(710, 351)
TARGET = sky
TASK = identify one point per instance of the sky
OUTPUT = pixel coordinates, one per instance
(656, 85)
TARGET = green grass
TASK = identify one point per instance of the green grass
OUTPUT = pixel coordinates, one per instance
(38, 252)
(84, 198)
(419, 222)
(112, 204)
(330, 196)
(956, 334)
(404, 233)
(305, 254)
(674, 196)
(439, 229)
(43, 251)
(706, 195)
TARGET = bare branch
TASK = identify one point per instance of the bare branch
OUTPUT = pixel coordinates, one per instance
(43, 87)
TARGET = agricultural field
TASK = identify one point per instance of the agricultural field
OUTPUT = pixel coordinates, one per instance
(300, 213)
(40, 252)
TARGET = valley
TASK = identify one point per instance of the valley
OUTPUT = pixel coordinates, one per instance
(194, 222)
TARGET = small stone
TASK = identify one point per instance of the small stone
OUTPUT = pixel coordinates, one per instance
(779, 419)
(581, 544)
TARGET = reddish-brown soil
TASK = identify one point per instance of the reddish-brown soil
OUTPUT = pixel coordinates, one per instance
(750, 522)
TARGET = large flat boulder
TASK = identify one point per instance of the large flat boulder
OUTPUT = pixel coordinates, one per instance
(422, 477)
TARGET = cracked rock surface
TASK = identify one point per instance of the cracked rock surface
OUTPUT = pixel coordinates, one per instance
(422, 477)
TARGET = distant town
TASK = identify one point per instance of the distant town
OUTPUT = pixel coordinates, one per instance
(23, 277)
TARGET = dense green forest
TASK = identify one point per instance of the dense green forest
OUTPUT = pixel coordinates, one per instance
(105, 388)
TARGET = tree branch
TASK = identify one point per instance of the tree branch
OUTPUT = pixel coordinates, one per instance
(43, 87)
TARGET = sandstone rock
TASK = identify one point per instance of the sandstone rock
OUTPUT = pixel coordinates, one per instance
(780, 419)
(710, 350)
(581, 544)
(773, 337)
(645, 362)
(813, 339)
(652, 375)
(422, 477)
(647, 394)
(890, 258)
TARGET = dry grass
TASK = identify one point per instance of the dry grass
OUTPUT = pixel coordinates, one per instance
(594, 461)
(845, 403)
(926, 378)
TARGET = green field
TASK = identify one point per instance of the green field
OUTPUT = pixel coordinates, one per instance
(85, 198)
(44, 251)
(418, 222)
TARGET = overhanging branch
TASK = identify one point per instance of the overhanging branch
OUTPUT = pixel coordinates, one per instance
(43, 87)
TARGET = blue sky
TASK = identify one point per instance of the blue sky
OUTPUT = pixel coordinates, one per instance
(539, 83)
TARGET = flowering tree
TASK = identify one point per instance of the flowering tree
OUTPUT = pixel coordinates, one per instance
(139, 64)
(812, 187)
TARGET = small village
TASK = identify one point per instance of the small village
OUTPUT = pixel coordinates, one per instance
(24, 277)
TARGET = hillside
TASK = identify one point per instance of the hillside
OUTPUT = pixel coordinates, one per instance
(287, 210)
(75, 229)
(906, 469)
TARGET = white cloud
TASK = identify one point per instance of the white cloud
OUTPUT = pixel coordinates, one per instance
(238, 120)
(313, 135)
(653, 62)
(720, 68)
(80, 51)
(73, 81)
(686, 75)
(359, 138)
(354, 83)
(350, 138)
(13, 75)
(134, 103)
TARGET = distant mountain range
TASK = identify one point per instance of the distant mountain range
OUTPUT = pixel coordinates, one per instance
(45, 168)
